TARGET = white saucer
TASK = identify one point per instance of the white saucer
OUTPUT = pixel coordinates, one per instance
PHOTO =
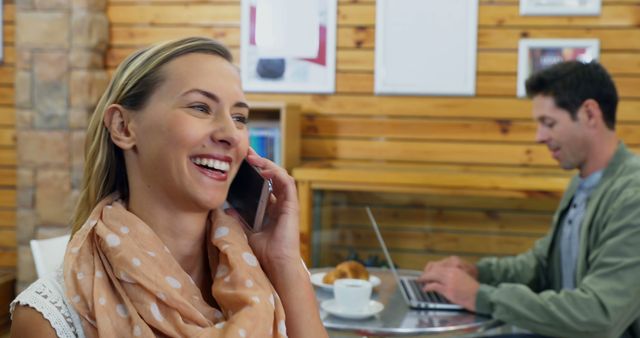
(332, 307)
(316, 279)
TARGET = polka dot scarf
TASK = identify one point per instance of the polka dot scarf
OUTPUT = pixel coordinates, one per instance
(124, 282)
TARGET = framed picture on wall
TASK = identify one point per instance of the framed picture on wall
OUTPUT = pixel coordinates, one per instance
(288, 46)
(411, 55)
(560, 7)
(537, 54)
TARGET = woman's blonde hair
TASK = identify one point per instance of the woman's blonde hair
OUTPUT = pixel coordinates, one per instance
(132, 84)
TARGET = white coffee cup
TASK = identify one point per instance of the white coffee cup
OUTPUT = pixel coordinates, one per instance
(352, 295)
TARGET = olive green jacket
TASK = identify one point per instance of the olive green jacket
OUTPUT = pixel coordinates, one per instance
(525, 290)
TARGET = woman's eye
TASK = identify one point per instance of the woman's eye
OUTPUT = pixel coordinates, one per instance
(201, 108)
(240, 118)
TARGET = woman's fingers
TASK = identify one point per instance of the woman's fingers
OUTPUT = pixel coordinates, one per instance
(284, 197)
(283, 185)
(258, 161)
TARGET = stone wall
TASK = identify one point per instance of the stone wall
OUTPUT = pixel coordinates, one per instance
(60, 75)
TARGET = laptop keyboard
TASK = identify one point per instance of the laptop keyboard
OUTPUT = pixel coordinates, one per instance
(423, 296)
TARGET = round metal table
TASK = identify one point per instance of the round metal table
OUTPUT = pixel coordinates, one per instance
(397, 319)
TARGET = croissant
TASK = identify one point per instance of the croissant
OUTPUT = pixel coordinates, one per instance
(348, 269)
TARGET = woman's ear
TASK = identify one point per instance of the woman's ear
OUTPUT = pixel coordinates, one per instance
(118, 121)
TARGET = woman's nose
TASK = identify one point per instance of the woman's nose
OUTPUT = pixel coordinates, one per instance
(225, 130)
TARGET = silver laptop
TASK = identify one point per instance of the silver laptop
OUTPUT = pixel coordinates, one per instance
(410, 288)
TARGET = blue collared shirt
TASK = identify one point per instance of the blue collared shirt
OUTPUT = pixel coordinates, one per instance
(570, 232)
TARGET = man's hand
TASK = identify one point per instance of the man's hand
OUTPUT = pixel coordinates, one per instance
(453, 283)
(453, 262)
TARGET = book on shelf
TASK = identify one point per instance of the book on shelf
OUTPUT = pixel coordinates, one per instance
(264, 138)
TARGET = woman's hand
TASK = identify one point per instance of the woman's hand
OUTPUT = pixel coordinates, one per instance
(277, 247)
(279, 240)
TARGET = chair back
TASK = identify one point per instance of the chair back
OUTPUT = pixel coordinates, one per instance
(48, 254)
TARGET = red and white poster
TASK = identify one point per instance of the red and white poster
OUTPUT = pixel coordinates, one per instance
(288, 46)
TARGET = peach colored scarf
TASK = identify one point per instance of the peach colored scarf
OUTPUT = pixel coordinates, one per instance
(124, 282)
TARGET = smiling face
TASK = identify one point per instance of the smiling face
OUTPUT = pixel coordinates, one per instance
(566, 138)
(191, 135)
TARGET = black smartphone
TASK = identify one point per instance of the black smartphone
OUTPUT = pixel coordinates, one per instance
(249, 195)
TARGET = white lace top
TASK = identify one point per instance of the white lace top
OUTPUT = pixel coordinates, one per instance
(46, 295)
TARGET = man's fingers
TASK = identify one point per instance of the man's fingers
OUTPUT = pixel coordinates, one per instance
(434, 286)
(433, 275)
(428, 267)
(435, 265)
(425, 276)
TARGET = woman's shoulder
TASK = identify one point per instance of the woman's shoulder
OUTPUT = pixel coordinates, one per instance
(46, 296)
(28, 322)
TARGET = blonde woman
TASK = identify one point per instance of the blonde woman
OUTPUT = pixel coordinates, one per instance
(152, 253)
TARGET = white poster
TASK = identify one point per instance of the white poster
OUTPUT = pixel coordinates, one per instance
(288, 46)
(426, 47)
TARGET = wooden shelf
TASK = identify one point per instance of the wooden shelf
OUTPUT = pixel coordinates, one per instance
(287, 118)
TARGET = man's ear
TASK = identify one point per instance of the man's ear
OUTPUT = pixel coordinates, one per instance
(117, 120)
(593, 112)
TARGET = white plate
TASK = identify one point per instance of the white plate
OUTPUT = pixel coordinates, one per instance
(316, 279)
(332, 307)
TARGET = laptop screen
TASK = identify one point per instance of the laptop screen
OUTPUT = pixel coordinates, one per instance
(376, 228)
(415, 298)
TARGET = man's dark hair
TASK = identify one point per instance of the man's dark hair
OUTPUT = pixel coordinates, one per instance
(571, 83)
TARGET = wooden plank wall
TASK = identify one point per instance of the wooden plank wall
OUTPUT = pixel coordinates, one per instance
(493, 128)
(7, 143)
(418, 228)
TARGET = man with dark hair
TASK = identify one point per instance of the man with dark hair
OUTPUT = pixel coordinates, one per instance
(572, 83)
(583, 278)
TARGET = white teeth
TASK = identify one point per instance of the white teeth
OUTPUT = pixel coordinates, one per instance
(211, 163)
(221, 165)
